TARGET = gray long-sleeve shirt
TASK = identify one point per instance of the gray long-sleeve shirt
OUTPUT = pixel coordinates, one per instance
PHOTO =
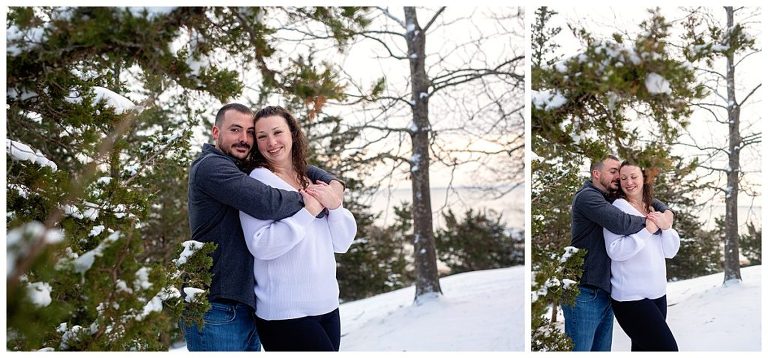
(218, 190)
(590, 213)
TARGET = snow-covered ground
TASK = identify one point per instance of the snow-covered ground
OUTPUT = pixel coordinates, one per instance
(479, 311)
(484, 310)
(705, 316)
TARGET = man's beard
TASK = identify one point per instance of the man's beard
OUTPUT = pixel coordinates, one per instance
(228, 151)
(612, 189)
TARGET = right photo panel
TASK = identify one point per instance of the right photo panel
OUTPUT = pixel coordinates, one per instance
(646, 176)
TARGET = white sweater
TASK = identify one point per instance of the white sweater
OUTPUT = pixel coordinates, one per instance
(293, 264)
(638, 269)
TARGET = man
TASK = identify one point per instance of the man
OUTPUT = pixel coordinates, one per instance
(218, 191)
(589, 322)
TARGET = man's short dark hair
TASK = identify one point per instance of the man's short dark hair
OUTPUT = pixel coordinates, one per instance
(597, 165)
(233, 106)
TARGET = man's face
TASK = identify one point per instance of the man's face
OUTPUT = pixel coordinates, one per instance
(234, 136)
(608, 176)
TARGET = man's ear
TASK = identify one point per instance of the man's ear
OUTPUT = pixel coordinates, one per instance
(215, 133)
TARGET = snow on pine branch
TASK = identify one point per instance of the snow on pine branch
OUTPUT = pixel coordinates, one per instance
(656, 84)
(112, 99)
(23, 152)
(85, 261)
(17, 246)
(547, 100)
(190, 247)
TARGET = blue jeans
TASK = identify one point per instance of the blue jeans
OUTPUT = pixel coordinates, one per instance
(589, 322)
(226, 327)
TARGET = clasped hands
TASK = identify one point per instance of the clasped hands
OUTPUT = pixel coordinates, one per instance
(321, 195)
(656, 220)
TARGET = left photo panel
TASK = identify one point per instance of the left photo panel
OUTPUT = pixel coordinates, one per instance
(265, 179)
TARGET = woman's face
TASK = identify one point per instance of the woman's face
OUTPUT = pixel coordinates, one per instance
(631, 180)
(274, 139)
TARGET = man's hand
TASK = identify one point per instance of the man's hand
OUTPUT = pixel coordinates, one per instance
(326, 194)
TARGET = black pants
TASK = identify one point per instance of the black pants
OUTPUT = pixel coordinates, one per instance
(645, 323)
(313, 333)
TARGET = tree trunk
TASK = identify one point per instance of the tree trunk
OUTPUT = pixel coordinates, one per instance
(425, 260)
(732, 269)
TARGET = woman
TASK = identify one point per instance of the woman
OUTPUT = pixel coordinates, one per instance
(297, 295)
(638, 269)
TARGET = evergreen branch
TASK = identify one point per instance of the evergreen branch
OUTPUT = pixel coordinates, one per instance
(53, 219)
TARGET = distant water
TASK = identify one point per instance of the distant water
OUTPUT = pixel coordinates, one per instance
(746, 214)
(511, 205)
(512, 208)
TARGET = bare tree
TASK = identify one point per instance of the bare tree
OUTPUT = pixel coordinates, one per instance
(475, 86)
(729, 44)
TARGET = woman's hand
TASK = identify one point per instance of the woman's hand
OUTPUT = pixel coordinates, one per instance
(662, 221)
(325, 194)
(651, 226)
(311, 204)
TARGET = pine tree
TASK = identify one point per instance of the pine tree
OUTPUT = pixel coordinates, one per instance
(101, 105)
(479, 241)
(751, 244)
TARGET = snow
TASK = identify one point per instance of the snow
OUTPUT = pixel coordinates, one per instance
(191, 292)
(112, 99)
(39, 293)
(22, 152)
(86, 260)
(190, 247)
(14, 35)
(547, 100)
(720, 48)
(656, 84)
(68, 334)
(15, 245)
(152, 12)
(412, 127)
(569, 251)
(96, 230)
(142, 279)
(479, 311)
(705, 316)
(104, 180)
(20, 189)
(483, 311)
(415, 159)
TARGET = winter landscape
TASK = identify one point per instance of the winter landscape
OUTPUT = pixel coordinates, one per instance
(483, 311)
(706, 316)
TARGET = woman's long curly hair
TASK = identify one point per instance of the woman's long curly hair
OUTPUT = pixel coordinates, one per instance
(298, 149)
(648, 178)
